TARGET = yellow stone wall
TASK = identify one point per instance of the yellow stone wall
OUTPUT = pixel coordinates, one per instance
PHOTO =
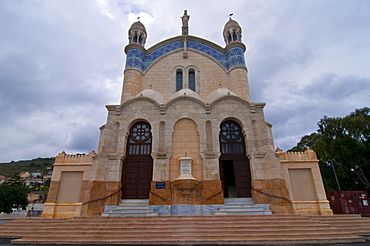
(185, 142)
(209, 74)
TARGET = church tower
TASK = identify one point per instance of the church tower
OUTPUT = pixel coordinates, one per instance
(186, 134)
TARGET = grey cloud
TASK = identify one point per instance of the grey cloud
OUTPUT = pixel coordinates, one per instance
(327, 94)
(330, 86)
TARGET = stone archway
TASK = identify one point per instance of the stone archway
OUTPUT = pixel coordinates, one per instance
(138, 165)
(234, 165)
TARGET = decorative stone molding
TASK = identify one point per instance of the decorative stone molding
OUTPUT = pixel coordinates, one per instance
(64, 158)
(308, 154)
(161, 155)
(260, 154)
(112, 156)
(211, 155)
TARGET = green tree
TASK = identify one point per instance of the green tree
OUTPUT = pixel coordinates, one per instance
(342, 145)
(14, 180)
(12, 196)
(307, 141)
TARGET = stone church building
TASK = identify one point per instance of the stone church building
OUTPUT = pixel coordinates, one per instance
(186, 139)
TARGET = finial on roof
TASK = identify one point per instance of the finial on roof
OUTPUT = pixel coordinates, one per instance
(231, 14)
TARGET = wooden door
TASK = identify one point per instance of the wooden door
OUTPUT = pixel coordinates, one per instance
(242, 178)
(138, 164)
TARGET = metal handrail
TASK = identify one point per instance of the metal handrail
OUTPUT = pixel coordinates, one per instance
(164, 199)
(218, 192)
(99, 199)
(272, 195)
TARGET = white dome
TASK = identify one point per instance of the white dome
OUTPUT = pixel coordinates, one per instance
(155, 95)
(186, 92)
(220, 92)
(137, 26)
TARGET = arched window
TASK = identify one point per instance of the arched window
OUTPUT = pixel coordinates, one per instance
(231, 138)
(178, 80)
(140, 139)
(192, 80)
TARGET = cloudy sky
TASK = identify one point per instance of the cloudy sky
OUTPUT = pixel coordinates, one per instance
(62, 61)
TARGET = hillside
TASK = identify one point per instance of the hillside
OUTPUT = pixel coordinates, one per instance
(35, 165)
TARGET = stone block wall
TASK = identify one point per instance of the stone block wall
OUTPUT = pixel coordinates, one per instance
(68, 184)
(306, 189)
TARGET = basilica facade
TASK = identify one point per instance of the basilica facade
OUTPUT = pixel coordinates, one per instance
(186, 135)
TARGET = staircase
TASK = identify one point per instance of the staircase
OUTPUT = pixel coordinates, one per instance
(243, 206)
(140, 207)
(188, 230)
(350, 222)
(130, 207)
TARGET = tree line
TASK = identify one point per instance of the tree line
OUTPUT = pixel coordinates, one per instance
(343, 149)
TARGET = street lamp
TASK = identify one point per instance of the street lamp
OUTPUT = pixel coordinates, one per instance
(331, 163)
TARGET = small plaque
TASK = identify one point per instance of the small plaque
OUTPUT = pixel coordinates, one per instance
(160, 185)
(186, 168)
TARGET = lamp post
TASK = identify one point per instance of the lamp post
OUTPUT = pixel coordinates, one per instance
(331, 162)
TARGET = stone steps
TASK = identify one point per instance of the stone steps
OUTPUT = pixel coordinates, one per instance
(242, 206)
(193, 241)
(185, 219)
(140, 207)
(130, 207)
(349, 222)
(184, 230)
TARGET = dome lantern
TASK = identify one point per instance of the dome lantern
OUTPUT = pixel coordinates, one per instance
(137, 33)
(232, 32)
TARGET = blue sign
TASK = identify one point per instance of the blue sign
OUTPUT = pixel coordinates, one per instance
(160, 185)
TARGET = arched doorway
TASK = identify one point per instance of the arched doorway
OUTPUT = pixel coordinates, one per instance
(138, 164)
(235, 171)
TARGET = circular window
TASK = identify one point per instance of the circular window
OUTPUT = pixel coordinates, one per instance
(230, 131)
(140, 132)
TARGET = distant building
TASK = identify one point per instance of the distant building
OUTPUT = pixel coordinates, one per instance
(32, 181)
(3, 179)
(47, 175)
(38, 174)
(24, 175)
(186, 136)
